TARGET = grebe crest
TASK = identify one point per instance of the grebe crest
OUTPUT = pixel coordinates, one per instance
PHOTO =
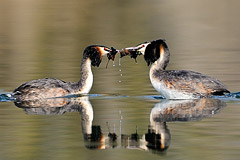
(52, 87)
(174, 84)
(95, 53)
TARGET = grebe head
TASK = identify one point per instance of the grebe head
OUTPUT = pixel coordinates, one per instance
(95, 53)
(152, 51)
(155, 50)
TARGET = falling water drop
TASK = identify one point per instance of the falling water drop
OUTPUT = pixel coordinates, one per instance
(113, 64)
(119, 61)
(120, 69)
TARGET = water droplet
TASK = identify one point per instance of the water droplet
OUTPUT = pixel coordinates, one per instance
(120, 70)
(119, 81)
(119, 62)
(113, 64)
(121, 75)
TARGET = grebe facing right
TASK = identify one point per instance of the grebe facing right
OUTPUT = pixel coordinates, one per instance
(51, 87)
(174, 84)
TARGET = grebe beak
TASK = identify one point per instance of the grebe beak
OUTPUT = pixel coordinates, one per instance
(130, 51)
(134, 51)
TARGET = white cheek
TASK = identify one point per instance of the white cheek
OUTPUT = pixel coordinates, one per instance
(142, 50)
(103, 51)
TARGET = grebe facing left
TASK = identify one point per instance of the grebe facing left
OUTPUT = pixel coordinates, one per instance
(174, 84)
(51, 87)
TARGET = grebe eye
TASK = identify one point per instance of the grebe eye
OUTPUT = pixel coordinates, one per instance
(143, 45)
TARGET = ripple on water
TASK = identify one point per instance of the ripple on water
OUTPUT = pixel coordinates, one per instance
(6, 97)
(235, 96)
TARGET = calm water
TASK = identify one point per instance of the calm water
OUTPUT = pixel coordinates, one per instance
(46, 38)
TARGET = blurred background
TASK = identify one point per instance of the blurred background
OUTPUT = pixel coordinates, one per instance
(46, 38)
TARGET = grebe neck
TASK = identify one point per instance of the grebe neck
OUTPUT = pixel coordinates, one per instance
(161, 63)
(154, 68)
(86, 81)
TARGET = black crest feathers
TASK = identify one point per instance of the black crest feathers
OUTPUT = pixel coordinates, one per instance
(152, 52)
(94, 54)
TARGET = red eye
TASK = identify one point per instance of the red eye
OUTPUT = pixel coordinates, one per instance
(143, 45)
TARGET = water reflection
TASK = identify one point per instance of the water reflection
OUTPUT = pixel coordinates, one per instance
(185, 110)
(157, 137)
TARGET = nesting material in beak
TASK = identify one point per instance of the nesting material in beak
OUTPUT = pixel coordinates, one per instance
(131, 51)
(111, 54)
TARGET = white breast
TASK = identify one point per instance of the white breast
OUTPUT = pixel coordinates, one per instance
(167, 92)
(87, 84)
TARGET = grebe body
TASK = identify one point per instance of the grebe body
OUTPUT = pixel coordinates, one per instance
(52, 87)
(175, 84)
(182, 84)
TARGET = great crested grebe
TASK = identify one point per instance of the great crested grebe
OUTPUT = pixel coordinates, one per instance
(52, 87)
(174, 84)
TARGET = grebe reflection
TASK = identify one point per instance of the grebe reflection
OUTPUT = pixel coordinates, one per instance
(157, 137)
(92, 134)
(186, 110)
